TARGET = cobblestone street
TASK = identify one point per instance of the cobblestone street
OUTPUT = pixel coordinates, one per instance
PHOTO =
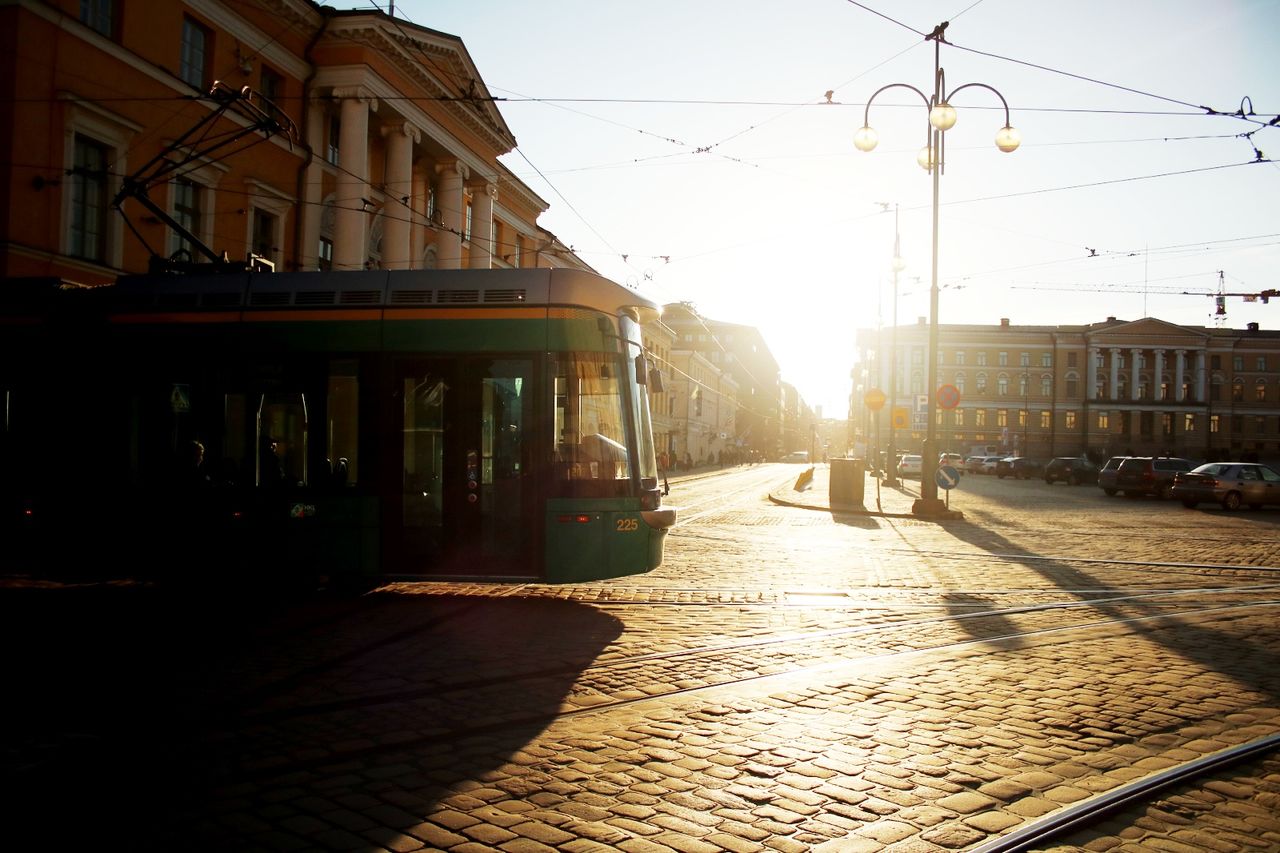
(788, 680)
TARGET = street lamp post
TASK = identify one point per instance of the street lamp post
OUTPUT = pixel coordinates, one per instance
(942, 117)
(898, 266)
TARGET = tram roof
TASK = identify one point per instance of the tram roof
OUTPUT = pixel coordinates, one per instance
(381, 288)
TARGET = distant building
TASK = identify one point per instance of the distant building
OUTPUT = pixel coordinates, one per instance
(741, 353)
(1143, 387)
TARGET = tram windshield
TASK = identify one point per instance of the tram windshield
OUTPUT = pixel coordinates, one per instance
(590, 429)
(642, 425)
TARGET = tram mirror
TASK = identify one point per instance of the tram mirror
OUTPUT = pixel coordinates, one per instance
(655, 381)
(642, 374)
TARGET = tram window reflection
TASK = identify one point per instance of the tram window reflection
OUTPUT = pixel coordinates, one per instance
(589, 420)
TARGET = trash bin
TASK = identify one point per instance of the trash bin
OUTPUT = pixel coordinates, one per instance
(848, 481)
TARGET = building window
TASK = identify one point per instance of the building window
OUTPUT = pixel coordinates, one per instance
(1046, 359)
(917, 355)
(1046, 386)
(1237, 362)
(1022, 418)
(87, 233)
(1071, 359)
(1215, 362)
(982, 359)
(1002, 385)
(960, 358)
(1237, 391)
(960, 382)
(959, 417)
(1188, 422)
(1023, 385)
(1237, 423)
(1166, 423)
(187, 213)
(1164, 390)
(1002, 359)
(979, 418)
(1024, 359)
(325, 255)
(981, 382)
(1259, 425)
(1046, 419)
(264, 234)
(331, 153)
(271, 85)
(1073, 387)
(1002, 417)
(1260, 392)
(1261, 363)
(1104, 420)
(1069, 420)
(195, 53)
(1213, 423)
(98, 15)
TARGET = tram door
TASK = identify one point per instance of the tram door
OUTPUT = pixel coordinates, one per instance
(467, 497)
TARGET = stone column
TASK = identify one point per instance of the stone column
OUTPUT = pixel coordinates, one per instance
(1159, 374)
(311, 212)
(1115, 373)
(1091, 374)
(350, 231)
(451, 204)
(418, 234)
(1200, 395)
(1179, 360)
(482, 226)
(397, 212)
(1135, 378)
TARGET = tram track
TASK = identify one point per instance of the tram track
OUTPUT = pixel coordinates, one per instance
(1084, 815)
(481, 719)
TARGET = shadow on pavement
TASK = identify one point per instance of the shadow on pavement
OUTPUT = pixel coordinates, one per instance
(148, 720)
(1251, 663)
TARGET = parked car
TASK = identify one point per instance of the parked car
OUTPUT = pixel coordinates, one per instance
(1228, 483)
(1019, 467)
(1070, 469)
(1107, 474)
(910, 464)
(973, 465)
(955, 460)
(990, 464)
(796, 456)
(1149, 475)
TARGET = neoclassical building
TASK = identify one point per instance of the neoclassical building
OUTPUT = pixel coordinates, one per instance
(394, 163)
(1142, 387)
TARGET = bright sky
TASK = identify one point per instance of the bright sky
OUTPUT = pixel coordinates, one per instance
(686, 147)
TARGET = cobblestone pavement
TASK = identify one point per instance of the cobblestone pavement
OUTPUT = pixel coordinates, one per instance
(788, 680)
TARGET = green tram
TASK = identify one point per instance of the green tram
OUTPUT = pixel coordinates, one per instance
(343, 426)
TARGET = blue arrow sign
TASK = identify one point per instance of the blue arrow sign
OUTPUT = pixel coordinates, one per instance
(946, 477)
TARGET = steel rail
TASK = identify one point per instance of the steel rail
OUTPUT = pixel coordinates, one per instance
(1084, 814)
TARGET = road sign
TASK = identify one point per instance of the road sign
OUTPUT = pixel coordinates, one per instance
(948, 397)
(874, 399)
(901, 417)
(947, 477)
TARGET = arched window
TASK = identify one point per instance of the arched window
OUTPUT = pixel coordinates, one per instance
(1002, 385)
(1046, 385)
(959, 382)
(1260, 391)
(981, 381)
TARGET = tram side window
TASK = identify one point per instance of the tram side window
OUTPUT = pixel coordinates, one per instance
(282, 440)
(591, 440)
(343, 421)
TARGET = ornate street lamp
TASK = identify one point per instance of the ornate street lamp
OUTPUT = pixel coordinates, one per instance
(942, 117)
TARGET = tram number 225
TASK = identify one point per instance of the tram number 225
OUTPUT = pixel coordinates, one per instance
(627, 525)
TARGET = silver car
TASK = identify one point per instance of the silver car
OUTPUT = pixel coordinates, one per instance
(1228, 483)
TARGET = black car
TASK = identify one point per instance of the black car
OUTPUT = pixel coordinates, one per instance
(1150, 475)
(1070, 469)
